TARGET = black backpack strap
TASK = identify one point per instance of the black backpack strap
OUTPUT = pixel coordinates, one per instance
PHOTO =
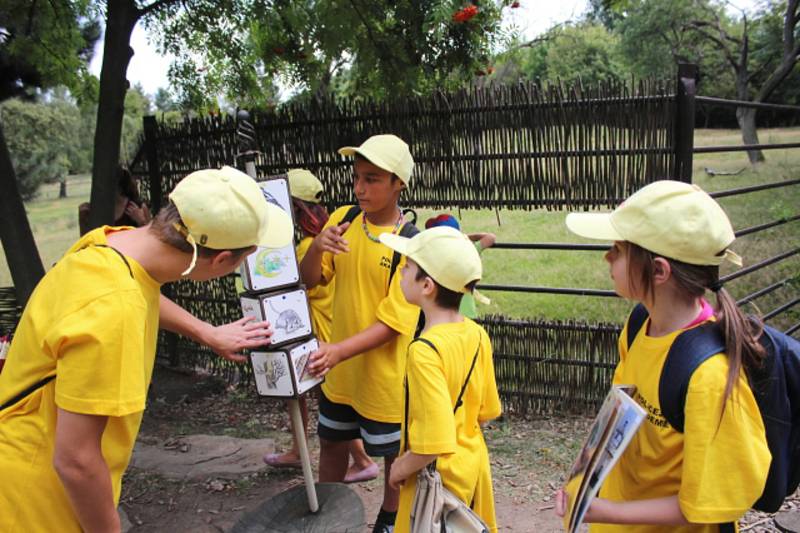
(460, 393)
(689, 350)
(471, 368)
(405, 387)
(636, 320)
(30, 390)
(408, 230)
(351, 215)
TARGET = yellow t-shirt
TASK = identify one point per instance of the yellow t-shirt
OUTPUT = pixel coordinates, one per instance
(716, 467)
(434, 381)
(372, 382)
(320, 298)
(94, 327)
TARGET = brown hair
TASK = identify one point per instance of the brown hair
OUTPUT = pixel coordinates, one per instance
(739, 332)
(445, 298)
(162, 226)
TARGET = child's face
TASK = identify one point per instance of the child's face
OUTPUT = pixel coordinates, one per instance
(617, 258)
(374, 187)
(412, 288)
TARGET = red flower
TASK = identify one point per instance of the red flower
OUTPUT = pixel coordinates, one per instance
(514, 5)
(278, 50)
(463, 15)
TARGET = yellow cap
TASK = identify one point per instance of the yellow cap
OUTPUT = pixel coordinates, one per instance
(225, 209)
(304, 185)
(388, 152)
(446, 254)
(670, 218)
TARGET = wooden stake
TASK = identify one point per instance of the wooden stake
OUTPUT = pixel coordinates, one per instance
(305, 460)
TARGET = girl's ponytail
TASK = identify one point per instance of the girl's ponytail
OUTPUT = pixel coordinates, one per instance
(741, 335)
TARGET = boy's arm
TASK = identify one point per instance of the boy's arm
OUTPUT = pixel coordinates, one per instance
(330, 355)
(485, 240)
(664, 511)
(329, 240)
(78, 461)
(226, 340)
(406, 466)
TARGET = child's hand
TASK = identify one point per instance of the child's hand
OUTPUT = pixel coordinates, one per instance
(228, 340)
(322, 360)
(331, 240)
(396, 475)
(140, 215)
(562, 501)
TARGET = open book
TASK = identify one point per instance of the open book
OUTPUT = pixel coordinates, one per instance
(612, 430)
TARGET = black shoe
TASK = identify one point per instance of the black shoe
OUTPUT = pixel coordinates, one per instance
(385, 522)
(383, 528)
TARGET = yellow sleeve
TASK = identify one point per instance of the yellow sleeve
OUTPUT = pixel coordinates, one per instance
(490, 399)
(302, 247)
(394, 310)
(431, 424)
(725, 461)
(100, 356)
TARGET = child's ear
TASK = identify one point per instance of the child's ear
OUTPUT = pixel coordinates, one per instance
(662, 271)
(428, 287)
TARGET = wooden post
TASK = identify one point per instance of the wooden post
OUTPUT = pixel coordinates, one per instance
(302, 446)
(684, 121)
(153, 168)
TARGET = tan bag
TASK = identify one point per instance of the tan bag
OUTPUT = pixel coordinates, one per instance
(435, 509)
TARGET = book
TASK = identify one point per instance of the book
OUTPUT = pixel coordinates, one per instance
(612, 430)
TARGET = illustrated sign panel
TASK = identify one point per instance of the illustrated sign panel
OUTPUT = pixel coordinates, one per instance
(283, 372)
(287, 313)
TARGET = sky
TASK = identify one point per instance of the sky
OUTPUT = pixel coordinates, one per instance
(533, 17)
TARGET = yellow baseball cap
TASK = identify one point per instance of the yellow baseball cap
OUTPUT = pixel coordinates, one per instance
(670, 218)
(225, 209)
(446, 254)
(388, 152)
(304, 185)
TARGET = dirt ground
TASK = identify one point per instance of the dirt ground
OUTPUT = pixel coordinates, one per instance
(529, 458)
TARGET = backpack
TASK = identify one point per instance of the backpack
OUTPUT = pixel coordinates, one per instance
(408, 230)
(775, 386)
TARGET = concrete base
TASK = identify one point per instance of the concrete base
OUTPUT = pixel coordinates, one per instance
(340, 511)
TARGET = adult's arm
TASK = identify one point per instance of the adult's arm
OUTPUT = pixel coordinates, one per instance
(226, 340)
(78, 460)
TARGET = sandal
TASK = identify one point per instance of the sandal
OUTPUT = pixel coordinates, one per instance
(277, 460)
(365, 474)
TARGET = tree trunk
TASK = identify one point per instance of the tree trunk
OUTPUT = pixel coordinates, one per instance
(62, 187)
(121, 18)
(747, 123)
(15, 231)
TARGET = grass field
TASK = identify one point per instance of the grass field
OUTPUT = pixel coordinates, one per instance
(55, 227)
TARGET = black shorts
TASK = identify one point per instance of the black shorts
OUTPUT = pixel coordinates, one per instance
(338, 422)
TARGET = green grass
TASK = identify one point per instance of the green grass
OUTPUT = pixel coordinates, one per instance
(53, 220)
(55, 227)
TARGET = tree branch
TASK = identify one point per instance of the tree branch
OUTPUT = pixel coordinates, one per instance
(699, 27)
(791, 53)
(155, 6)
